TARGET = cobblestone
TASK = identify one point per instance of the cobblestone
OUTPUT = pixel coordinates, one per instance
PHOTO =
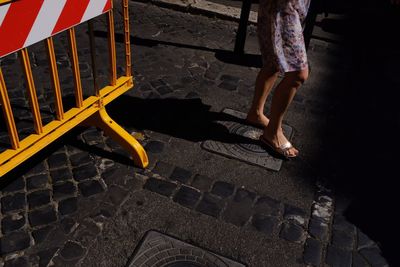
(181, 175)
(71, 251)
(163, 168)
(17, 262)
(84, 172)
(292, 232)
(210, 205)
(13, 202)
(37, 182)
(13, 222)
(187, 196)
(373, 256)
(342, 240)
(268, 206)
(312, 252)
(61, 175)
(42, 216)
(338, 257)
(91, 187)
(57, 160)
(38, 198)
(63, 190)
(15, 241)
(68, 206)
(265, 224)
(14, 186)
(223, 189)
(41, 234)
(159, 186)
(202, 182)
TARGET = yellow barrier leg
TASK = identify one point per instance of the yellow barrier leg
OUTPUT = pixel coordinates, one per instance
(103, 121)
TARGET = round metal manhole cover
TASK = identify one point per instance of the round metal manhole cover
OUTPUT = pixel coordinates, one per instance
(159, 250)
(246, 146)
(248, 132)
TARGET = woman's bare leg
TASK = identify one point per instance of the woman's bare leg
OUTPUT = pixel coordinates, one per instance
(283, 96)
(265, 81)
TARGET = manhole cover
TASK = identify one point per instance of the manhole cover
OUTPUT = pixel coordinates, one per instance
(159, 250)
(250, 152)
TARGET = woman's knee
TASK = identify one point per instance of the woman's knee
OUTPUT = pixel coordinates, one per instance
(297, 77)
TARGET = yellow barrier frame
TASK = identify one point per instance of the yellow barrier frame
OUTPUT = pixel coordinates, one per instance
(89, 112)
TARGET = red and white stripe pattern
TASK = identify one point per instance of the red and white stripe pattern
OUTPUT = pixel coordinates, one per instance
(26, 22)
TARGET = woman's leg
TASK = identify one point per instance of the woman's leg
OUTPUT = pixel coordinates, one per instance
(283, 96)
(265, 81)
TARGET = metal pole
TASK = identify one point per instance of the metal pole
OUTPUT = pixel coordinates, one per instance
(310, 22)
(242, 29)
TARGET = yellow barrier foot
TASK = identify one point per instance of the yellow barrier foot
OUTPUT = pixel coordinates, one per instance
(103, 121)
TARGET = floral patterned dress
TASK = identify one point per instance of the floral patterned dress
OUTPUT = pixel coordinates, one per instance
(280, 34)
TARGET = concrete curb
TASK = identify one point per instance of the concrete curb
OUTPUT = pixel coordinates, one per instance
(203, 7)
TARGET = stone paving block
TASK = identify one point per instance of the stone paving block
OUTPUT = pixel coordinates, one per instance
(338, 257)
(210, 205)
(13, 222)
(72, 250)
(63, 190)
(342, 240)
(223, 189)
(15, 185)
(14, 241)
(181, 175)
(244, 196)
(292, 232)
(268, 206)
(60, 175)
(81, 158)
(340, 223)
(84, 172)
(202, 182)
(17, 262)
(187, 196)
(318, 229)
(13, 202)
(161, 187)
(42, 216)
(68, 206)
(68, 224)
(163, 168)
(295, 214)
(154, 147)
(363, 241)
(265, 224)
(46, 255)
(373, 256)
(38, 168)
(38, 198)
(41, 234)
(92, 137)
(37, 182)
(359, 261)
(57, 160)
(89, 188)
(312, 252)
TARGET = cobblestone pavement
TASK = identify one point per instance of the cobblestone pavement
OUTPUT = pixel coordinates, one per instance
(81, 202)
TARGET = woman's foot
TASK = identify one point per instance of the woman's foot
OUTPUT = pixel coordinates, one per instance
(279, 143)
(258, 120)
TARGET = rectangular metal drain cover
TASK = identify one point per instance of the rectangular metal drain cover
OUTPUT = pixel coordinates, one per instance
(159, 250)
(247, 148)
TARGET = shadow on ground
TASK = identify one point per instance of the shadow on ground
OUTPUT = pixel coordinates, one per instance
(363, 140)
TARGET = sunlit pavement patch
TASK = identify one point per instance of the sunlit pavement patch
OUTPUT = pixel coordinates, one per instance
(161, 250)
(248, 149)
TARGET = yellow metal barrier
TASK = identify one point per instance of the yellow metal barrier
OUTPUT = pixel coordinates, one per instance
(89, 112)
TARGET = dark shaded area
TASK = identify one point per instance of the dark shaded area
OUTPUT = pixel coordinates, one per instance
(226, 56)
(363, 144)
(188, 119)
